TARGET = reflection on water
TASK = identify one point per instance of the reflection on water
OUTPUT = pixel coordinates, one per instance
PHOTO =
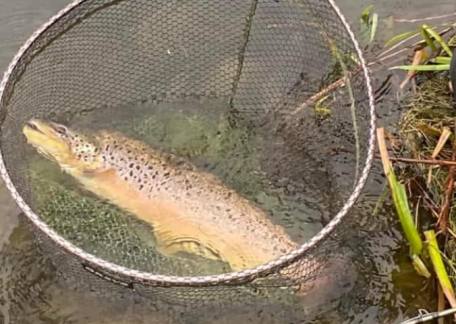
(385, 290)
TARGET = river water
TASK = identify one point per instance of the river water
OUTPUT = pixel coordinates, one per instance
(385, 288)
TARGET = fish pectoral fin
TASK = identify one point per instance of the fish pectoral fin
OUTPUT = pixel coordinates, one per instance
(99, 171)
(188, 245)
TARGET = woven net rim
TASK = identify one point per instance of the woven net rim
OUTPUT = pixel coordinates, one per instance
(210, 280)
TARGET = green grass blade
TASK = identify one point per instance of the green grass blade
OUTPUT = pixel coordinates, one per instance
(442, 60)
(400, 37)
(420, 267)
(439, 267)
(430, 67)
(424, 32)
(373, 27)
(351, 95)
(401, 205)
(438, 39)
(405, 215)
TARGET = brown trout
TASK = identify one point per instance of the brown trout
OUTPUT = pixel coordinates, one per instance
(190, 210)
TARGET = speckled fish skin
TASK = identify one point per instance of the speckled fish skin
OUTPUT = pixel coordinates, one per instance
(199, 207)
(190, 210)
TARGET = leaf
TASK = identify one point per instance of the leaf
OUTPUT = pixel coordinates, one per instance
(400, 37)
(420, 267)
(424, 32)
(442, 60)
(365, 14)
(400, 199)
(439, 267)
(369, 23)
(430, 67)
(405, 215)
(438, 38)
(373, 27)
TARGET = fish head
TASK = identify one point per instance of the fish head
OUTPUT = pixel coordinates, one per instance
(72, 151)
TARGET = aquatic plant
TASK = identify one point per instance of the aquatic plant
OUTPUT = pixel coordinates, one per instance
(369, 24)
(439, 267)
(427, 137)
(401, 204)
(432, 54)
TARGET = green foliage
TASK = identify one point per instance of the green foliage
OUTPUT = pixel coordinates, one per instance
(439, 49)
(369, 23)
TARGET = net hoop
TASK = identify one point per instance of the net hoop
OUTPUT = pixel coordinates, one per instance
(146, 278)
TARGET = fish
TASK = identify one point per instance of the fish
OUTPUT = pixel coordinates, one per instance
(190, 210)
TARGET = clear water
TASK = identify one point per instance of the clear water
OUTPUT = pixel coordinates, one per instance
(199, 131)
(385, 288)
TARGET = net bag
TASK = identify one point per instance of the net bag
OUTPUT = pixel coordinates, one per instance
(289, 72)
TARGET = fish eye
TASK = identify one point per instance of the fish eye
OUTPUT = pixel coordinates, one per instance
(62, 130)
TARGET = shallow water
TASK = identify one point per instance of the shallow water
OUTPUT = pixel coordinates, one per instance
(383, 286)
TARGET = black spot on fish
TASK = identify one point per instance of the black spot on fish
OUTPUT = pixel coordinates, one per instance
(166, 174)
(131, 173)
(131, 165)
(141, 187)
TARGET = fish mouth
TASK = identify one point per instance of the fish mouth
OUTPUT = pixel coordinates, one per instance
(43, 136)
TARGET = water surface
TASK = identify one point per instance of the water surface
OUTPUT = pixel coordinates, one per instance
(383, 289)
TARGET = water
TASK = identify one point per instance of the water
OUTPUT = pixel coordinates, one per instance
(385, 288)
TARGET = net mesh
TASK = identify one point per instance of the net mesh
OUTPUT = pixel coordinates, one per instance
(271, 66)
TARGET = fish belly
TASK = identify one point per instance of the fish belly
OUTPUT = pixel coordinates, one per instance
(174, 229)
